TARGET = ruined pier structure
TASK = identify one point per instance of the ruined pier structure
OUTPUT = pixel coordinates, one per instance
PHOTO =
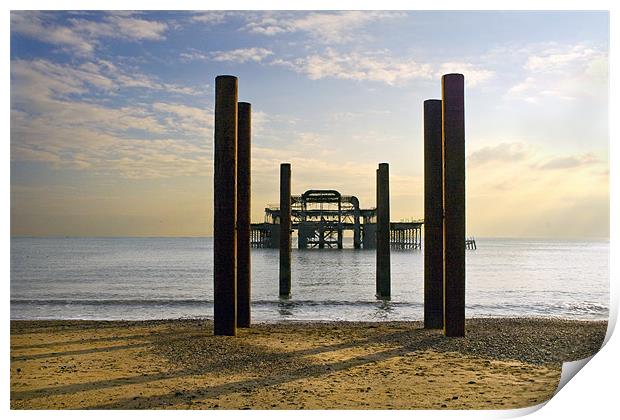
(444, 206)
(321, 226)
(321, 217)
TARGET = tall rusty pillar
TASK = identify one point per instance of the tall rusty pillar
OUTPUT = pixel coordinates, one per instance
(285, 230)
(339, 233)
(383, 232)
(453, 134)
(377, 233)
(433, 215)
(357, 241)
(225, 207)
(244, 144)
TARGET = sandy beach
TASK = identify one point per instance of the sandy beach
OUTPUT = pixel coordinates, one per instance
(179, 364)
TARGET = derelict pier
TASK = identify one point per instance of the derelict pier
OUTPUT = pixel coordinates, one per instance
(321, 217)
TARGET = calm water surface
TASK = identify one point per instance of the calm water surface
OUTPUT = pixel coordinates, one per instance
(155, 278)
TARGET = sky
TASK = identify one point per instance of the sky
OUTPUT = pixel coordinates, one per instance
(112, 114)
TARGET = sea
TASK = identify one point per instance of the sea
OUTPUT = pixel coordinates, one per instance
(126, 278)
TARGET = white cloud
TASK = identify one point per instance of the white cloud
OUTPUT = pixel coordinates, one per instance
(563, 72)
(113, 26)
(37, 81)
(474, 75)
(242, 55)
(502, 152)
(212, 17)
(98, 139)
(50, 123)
(376, 67)
(528, 155)
(189, 119)
(34, 25)
(561, 58)
(81, 36)
(327, 27)
(570, 162)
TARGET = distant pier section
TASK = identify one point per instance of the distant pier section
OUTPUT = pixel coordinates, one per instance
(321, 217)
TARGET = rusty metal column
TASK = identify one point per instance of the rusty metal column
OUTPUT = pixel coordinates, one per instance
(453, 134)
(357, 242)
(377, 233)
(339, 223)
(285, 230)
(244, 179)
(225, 207)
(433, 215)
(383, 232)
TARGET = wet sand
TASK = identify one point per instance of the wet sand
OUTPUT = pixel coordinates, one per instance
(179, 364)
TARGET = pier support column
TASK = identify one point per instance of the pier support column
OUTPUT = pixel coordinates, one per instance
(339, 224)
(285, 230)
(225, 207)
(244, 142)
(433, 215)
(383, 232)
(453, 134)
(357, 241)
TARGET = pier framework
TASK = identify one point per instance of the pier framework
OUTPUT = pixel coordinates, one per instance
(321, 218)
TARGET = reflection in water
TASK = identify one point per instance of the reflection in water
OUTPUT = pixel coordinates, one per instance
(286, 306)
(384, 308)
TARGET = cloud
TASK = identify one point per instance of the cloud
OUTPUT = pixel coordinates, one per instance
(326, 27)
(242, 55)
(81, 36)
(100, 140)
(375, 67)
(568, 162)
(34, 25)
(528, 155)
(348, 115)
(560, 58)
(563, 72)
(474, 75)
(36, 82)
(127, 28)
(188, 119)
(212, 18)
(503, 152)
(52, 122)
(529, 188)
(239, 56)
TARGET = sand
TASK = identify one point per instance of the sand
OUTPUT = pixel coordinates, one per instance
(179, 364)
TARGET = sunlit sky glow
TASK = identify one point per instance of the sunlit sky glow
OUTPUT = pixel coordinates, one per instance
(112, 114)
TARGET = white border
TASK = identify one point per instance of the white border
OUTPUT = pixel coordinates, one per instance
(592, 394)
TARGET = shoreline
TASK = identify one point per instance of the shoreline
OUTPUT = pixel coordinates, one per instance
(501, 363)
(316, 321)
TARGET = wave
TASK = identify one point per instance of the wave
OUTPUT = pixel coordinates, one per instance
(110, 301)
(149, 302)
(575, 308)
(584, 308)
